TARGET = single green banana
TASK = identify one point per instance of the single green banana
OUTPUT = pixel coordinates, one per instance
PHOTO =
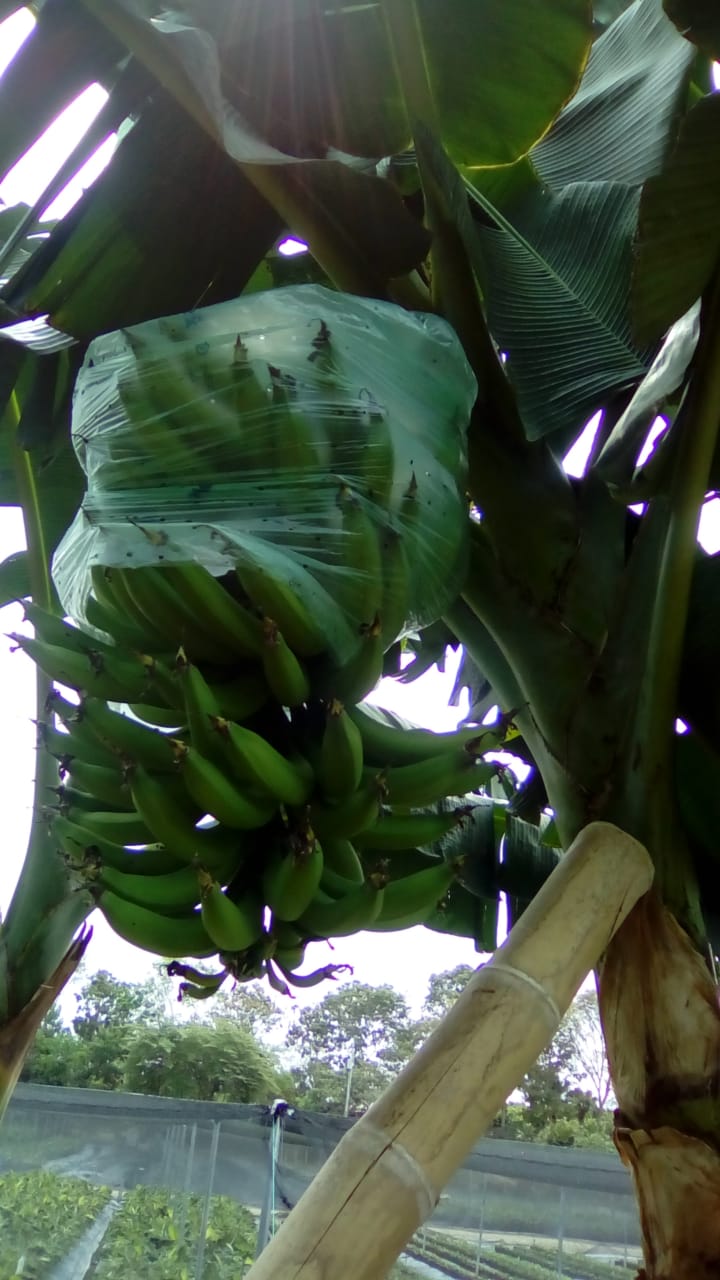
(227, 621)
(390, 741)
(102, 675)
(353, 680)
(128, 738)
(68, 746)
(407, 830)
(285, 674)
(82, 847)
(103, 824)
(232, 926)
(156, 639)
(217, 794)
(243, 695)
(291, 878)
(158, 594)
(107, 785)
(158, 717)
(170, 936)
(343, 916)
(201, 708)
(341, 857)
(174, 893)
(255, 761)
(451, 773)
(171, 825)
(377, 457)
(285, 600)
(345, 820)
(54, 630)
(112, 624)
(416, 893)
(297, 438)
(356, 582)
(396, 601)
(150, 432)
(340, 764)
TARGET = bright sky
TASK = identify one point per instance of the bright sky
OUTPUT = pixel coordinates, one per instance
(406, 960)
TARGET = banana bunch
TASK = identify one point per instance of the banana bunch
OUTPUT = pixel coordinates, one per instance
(336, 518)
(231, 812)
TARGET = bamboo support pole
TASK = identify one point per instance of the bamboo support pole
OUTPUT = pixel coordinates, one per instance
(385, 1177)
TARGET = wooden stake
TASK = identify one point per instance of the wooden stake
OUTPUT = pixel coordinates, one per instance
(384, 1178)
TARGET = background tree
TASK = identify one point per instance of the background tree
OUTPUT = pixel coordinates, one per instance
(589, 1059)
(250, 1006)
(221, 1062)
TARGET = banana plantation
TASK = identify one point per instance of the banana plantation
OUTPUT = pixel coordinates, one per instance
(253, 484)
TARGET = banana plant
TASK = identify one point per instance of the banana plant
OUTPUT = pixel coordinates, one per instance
(544, 177)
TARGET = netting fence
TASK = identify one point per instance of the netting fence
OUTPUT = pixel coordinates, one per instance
(194, 1190)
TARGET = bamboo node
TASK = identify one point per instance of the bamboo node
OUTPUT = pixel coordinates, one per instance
(403, 1166)
(518, 977)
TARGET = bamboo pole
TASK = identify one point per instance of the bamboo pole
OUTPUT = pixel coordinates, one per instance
(384, 1178)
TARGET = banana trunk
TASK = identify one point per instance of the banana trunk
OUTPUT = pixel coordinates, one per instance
(385, 1177)
(17, 1035)
(661, 1020)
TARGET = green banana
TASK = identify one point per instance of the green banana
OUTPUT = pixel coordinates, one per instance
(104, 824)
(416, 894)
(285, 600)
(341, 857)
(232, 926)
(54, 630)
(241, 696)
(450, 773)
(377, 456)
(71, 746)
(296, 439)
(356, 581)
(343, 916)
(227, 621)
(340, 764)
(356, 813)
(116, 595)
(255, 761)
(158, 717)
(127, 738)
(285, 674)
(149, 393)
(158, 594)
(201, 708)
(173, 893)
(218, 795)
(171, 936)
(82, 846)
(173, 827)
(388, 742)
(106, 785)
(276, 981)
(291, 878)
(103, 675)
(407, 830)
(395, 602)
(112, 624)
(353, 680)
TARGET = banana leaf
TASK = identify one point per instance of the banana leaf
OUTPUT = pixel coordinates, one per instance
(564, 325)
(300, 80)
(618, 126)
(678, 230)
